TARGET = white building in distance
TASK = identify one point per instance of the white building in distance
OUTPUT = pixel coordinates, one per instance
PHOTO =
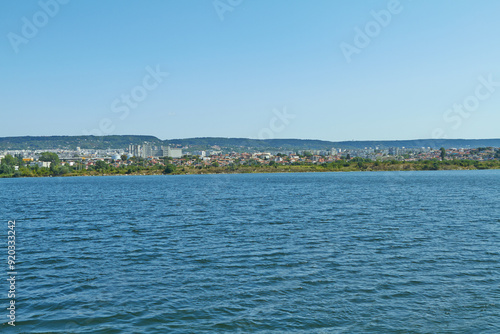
(147, 150)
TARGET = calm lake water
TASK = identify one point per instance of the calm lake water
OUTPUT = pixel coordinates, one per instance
(369, 252)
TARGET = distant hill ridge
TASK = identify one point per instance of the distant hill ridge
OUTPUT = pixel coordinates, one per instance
(239, 144)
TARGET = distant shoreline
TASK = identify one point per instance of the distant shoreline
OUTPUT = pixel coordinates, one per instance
(266, 169)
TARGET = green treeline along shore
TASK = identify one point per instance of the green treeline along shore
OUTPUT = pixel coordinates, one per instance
(142, 167)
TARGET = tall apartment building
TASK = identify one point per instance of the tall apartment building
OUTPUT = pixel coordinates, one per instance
(172, 152)
(135, 150)
(147, 150)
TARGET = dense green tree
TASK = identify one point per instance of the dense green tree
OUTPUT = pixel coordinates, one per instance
(443, 153)
(64, 170)
(50, 157)
(19, 158)
(101, 165)
(169, 169)
(9, 160)
(25, 171)
(131, 169)
(6, 169)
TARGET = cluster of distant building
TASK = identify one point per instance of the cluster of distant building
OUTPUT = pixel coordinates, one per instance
(154, 155)
(147, 150)
(206, 158)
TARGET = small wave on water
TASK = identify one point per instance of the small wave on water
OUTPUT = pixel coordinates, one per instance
(284, 253)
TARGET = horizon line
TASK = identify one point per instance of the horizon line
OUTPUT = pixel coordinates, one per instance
(256, 139)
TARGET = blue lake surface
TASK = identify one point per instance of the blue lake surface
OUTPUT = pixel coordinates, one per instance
(367, 252)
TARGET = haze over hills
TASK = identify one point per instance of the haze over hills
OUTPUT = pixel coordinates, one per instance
(229, 144)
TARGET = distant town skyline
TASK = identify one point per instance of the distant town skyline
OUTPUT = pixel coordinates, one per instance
(327, 70)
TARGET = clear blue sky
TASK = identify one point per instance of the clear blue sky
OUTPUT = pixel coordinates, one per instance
(226, 76)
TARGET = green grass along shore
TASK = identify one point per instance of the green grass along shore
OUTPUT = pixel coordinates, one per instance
(339, 166)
